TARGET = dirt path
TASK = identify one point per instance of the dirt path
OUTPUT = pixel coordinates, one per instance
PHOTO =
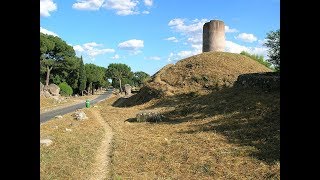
(101, 165)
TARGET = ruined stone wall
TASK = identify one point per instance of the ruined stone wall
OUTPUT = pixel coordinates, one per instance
(213, 36)
(264, 81)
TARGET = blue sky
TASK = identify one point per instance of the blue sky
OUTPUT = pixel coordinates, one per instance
(148, 34)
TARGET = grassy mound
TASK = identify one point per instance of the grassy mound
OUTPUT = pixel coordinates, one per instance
(209, 70)
(205, 72)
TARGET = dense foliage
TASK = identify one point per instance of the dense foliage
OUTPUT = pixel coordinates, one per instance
(65, 89)
(60, 65)
(118, 72)
(273, 43)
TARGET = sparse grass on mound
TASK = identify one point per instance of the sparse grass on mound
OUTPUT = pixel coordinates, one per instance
(71, 154)
(199, 74)
(209, 70)
(229, 134)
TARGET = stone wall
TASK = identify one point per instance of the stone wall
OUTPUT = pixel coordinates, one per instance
(265, 81)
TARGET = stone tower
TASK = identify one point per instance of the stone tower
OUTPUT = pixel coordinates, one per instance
(213, 37)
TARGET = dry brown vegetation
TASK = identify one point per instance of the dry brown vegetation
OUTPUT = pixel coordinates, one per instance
(205, 71)
(209, 129)
(230, 134)
(72, 153)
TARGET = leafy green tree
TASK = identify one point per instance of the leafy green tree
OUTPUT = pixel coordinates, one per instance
(96, 77)
(82, 77)
(65, 89)
(70, 69)
(101, 79)
(140, 77)
(273, 43)
(53, 51)
(118, 71)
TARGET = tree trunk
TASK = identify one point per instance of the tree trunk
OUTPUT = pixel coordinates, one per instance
(48, 76)
(90, 88)
(81, 93)
(120, 84)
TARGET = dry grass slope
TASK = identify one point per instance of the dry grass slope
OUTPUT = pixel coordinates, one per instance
(72, 154)
(209, 70)
(202, 73)
(229, 134)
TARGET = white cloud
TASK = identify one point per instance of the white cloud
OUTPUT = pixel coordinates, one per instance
(148, 2)
(184, 54)
(180, 25)
(192, 31)
(92, 49)
(78, 48)
(236, 48)
(133, 44)
(247, 37)
(172, 57)
(195, 39)
(197, 48)
(115, 57)
(153, 58)
(88, 4)
(122, 7)
(45, 31)
(173, 39)
(46, 6)
(262, 42)
(228, 30)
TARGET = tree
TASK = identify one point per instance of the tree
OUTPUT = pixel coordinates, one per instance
(140, 77)
(118, 71)
(96, 77)
(273, 43)
(53, 51)
(82, 77)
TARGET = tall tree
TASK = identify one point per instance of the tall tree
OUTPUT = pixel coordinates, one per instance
(82, 77)
(96, 77)
(118, 71)
(273, 43)
(53, 51)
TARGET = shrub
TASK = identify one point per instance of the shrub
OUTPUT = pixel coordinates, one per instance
(65, 89)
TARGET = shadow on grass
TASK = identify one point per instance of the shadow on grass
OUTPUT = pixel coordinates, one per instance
(146, 94)
(248, 117)
(131, 120)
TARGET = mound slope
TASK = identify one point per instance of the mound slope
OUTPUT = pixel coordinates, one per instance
(208, 71)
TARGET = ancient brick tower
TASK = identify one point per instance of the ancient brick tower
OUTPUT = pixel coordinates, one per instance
(213, 36)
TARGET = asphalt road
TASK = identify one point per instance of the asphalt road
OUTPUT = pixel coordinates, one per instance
(49, 115)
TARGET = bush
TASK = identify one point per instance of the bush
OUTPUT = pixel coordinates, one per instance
(65, 89)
